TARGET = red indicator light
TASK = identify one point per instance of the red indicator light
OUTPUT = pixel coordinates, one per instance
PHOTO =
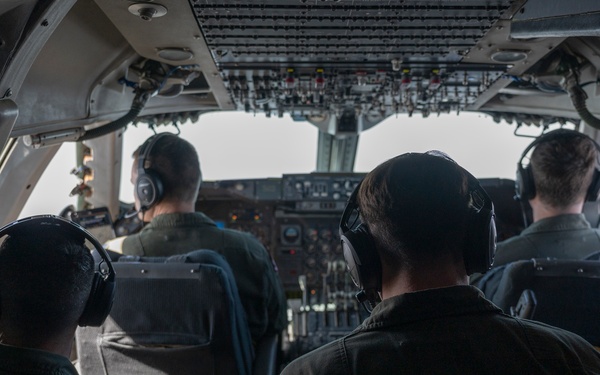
(405, 81)
(319, 83)
(434, 82)
(289, 82)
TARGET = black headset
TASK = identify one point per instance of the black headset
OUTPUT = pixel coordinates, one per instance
(148, 185)
(102, 293)
(524, 183)
(363, 261)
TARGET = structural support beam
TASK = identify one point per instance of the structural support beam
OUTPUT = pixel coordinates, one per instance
(336, 154)
(104, 163)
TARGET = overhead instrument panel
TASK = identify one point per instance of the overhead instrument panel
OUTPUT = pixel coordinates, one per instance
(347, 65)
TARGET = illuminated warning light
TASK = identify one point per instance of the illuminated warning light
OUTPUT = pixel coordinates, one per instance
(234, 217)
(257, 217)
(290, 70)
(320, 70)
(292, 252)
(405, 71)
(313, 292)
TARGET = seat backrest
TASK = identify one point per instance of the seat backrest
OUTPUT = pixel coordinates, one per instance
(562, 293)
(170, 317)
(265, 362)
(593, 256)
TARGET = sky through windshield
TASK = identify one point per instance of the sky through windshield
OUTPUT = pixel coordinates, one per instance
(238, 145)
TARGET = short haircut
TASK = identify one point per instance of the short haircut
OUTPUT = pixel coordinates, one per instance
(562, 169)
(176, 163)
(45, 281)
(416, 206)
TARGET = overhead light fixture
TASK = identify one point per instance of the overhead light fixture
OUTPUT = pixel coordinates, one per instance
(509, 56)
(175, 54)
(147, 11)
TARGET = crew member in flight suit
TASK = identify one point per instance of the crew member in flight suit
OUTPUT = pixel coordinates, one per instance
(426, 224)
(167, 177)
(562, 174)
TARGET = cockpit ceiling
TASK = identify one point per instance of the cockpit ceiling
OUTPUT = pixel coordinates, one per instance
(343, 65)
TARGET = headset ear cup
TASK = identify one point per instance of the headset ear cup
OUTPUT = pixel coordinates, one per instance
(594, 189)
(525, 185)
(99, 302)
(149, 189)
(362, 259)
(481, 246)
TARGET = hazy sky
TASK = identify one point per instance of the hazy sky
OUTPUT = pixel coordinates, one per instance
(240, 145)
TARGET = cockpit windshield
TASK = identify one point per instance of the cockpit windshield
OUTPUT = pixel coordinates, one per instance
(237, 145)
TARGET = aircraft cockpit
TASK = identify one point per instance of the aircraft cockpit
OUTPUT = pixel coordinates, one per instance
(347, 84)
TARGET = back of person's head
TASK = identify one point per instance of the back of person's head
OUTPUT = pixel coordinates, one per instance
(175, 162)
(562, 168)
(417, 208)
(45, 281)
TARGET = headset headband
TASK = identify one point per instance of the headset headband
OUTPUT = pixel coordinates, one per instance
(145, 151)
(480, 198)
(552, 135)
(102, 291)
(351, 206)
(105, 267)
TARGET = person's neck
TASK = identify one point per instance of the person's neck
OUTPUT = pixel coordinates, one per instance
(431, 277)
(542, 210)
(166, 207)
(60, 344)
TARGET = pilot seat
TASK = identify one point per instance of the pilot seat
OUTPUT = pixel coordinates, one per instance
(562, 293)
(176, 315)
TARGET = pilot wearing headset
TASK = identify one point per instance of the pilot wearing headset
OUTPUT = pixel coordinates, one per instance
(563, 172)
(49, 284)
(424, 225)
(166, 176)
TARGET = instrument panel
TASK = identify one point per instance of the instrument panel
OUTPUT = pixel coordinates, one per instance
(297, 217)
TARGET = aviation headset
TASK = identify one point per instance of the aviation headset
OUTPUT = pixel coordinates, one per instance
(148, 185)
(101, 296)
(525, 185)
(363, 261)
